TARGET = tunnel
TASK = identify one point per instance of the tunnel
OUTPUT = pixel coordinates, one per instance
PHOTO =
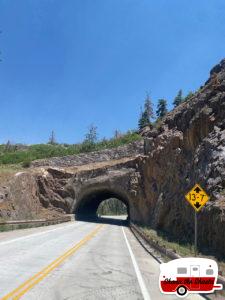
(87, 206)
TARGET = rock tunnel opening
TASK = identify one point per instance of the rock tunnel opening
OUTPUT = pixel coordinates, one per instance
(88, 205)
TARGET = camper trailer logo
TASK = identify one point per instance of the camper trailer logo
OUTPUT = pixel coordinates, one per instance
(189, 275)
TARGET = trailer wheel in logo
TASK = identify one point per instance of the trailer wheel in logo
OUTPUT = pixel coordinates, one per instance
(181, 290)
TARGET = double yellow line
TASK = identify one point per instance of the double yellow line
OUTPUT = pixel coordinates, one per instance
(31, 282)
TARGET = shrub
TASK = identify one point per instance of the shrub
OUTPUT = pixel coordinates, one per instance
(26, 164)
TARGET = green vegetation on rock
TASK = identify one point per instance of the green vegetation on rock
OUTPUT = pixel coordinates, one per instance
(25, 154)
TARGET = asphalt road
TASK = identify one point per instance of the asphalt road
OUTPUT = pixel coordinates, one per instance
(77, 260)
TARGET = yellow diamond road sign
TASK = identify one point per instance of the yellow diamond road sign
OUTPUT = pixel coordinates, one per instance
(197, 197)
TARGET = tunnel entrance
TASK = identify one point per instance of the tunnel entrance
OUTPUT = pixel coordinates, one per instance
(97, 204)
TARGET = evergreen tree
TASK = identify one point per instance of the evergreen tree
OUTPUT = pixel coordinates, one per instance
(143, 119)
(148, 108)
(52, 139)
(161, 108)
(178, 99)
(90, 140)
(91, 136)
(147, 114)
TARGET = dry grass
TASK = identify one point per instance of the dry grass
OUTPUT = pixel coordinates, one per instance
(6, 172)
(181, 249)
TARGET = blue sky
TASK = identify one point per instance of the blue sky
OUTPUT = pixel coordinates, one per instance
(67, 64)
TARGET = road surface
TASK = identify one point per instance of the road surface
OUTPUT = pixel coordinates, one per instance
(77, 260)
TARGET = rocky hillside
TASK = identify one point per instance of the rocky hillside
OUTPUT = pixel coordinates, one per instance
(188, 147)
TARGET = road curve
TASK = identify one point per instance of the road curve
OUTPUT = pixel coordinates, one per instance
(77, 260)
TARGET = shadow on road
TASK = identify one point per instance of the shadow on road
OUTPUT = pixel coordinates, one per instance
(105, 220)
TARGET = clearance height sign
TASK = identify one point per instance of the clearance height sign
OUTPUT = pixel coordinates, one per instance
(197, 197)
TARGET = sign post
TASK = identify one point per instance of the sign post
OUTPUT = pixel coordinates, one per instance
(196, 234)
(197, 197)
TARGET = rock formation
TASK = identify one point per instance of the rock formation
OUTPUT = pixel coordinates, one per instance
(188, 147)
(65, 184)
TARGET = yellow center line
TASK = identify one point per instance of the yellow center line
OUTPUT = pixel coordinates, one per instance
(31, 282)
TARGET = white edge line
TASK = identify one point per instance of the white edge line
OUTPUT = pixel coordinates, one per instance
(141, 282)
(35, 234)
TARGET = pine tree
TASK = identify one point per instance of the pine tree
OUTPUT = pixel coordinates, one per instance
(143, 120)
(92, 136)
(161, 108)
(178, 99)
(52, 139)
(147, 114)
(90, 140)
(148, 108)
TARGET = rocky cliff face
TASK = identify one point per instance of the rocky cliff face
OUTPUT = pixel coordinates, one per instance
(21, 198)
(188, 147)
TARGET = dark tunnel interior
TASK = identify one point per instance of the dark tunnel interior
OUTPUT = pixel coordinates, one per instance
(88, 205)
